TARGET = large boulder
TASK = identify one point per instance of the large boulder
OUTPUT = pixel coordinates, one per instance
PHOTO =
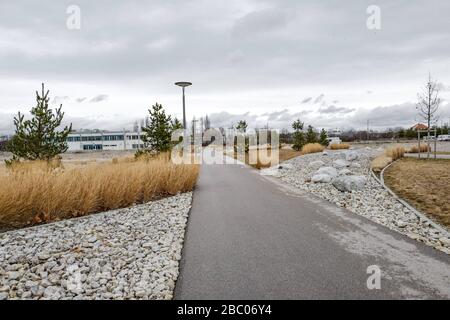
(344, 172)
(332, 172)
(339, 163)
(351, 155)
(349, 183)
(321, 178)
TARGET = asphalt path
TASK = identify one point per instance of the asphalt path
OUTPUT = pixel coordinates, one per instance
(252, 237)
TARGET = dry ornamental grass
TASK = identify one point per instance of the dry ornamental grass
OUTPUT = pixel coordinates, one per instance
(415, 149)
(390, 154)
(395, 152)
(380, 162)
(312, 148)
(33, 192)
(339, 146)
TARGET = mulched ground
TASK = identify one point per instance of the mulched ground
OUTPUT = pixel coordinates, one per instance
(425, 184)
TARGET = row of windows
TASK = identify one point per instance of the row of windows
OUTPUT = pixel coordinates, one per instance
(100, 147)
(93, 147)
(102, 138)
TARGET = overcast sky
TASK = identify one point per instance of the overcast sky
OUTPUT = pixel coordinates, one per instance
(264, 61)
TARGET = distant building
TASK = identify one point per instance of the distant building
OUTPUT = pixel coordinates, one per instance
(336, 132)
(4, 138)
(419, 126)
(115, 140)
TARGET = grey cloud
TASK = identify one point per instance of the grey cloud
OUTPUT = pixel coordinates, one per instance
(261, 22)
(319, 98)
(99, 98)
(6, 123)
(236, 56)
(107, 122)
(157, 41)
(306, 100)
(398, 115)
(335, 109)
(224, 47)
(443, 87)
(80, 100)
(58, 100)
(404, 114)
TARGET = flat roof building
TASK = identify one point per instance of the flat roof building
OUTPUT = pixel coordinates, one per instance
(115, 140)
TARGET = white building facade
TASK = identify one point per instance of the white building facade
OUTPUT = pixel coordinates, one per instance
(117, 140)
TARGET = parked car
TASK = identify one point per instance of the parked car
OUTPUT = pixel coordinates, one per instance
(443, 137)
(334, 140)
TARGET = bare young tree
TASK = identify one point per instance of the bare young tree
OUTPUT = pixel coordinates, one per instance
(428, 105)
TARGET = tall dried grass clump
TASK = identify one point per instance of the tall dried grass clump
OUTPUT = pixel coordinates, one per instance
(415, 149)
(34, 192)
(395, 153)
(380, 162)
(339, 146)
(312, 148)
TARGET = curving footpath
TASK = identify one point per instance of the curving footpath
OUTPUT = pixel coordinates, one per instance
(251, 237)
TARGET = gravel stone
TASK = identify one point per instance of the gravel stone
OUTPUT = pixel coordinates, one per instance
(120, 254)
(372, 201)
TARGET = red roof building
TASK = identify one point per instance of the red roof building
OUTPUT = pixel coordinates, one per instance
(419, 126)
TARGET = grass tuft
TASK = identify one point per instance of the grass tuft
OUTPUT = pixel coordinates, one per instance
(339, 146)
(312, 148)
(395, 153)
(380, 162)
(415, 149)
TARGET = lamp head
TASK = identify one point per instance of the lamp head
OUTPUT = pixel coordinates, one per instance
(183, 84)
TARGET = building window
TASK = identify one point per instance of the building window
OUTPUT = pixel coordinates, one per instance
(73, 139)
(114, 138)
(93, 147)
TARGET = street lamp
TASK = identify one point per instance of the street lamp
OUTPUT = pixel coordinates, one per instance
(183, 84)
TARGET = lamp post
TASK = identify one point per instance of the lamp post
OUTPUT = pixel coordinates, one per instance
(183, 84)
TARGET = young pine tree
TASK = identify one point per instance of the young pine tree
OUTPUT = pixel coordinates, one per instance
(242, 126)
(298, 135)
(176, 124)
(311, 135)
(323, 138)
(38, 137)
(157, 133)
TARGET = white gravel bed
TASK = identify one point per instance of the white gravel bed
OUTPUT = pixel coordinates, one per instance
(130, 253)
(371, 201)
